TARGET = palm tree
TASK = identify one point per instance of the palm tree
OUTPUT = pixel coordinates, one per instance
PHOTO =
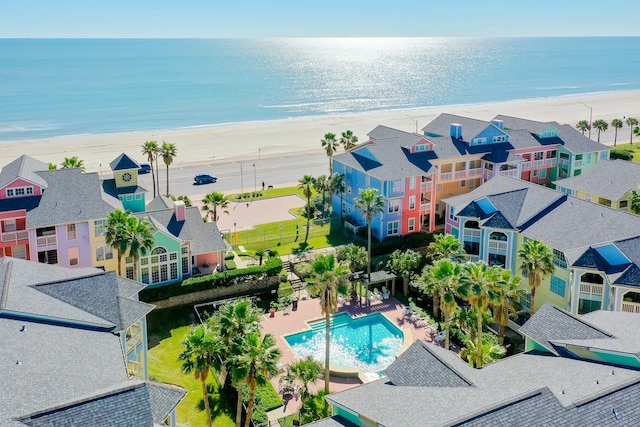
(348, 140)
(490, 352)
(632, 123)
(140, 240)
(508, 294)
(329, 277)
(369, 205)
(322, 185)
(481, 281)
(198, 356)
(636, 131)
(306, 183)
(444, 277)
(214, 201)
(150, 149)
(330, 145)
(72, 162)
(307, 371)
(338, 186)
(635, 201)
(116, 234)
(616, 124)
(356, 256)
(168, 152)
(52, 166)
(255, 358)
(601, 125)
(536, 259)
(583, 125)
(404, 264)
(444, 246)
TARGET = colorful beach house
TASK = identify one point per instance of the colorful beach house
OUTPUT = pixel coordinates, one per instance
(59, 217)
(608, 183)
(74, 350)
(596, 248)
(576, 371)
(454, 155)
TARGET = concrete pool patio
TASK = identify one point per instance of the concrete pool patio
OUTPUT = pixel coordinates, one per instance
(308, 310)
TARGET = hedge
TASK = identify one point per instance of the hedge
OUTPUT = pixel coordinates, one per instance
(618, 153)
(410, 241)
(272, 267)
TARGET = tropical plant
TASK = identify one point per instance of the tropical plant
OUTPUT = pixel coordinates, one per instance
(213, 202)
(348, 140)
(356, 256)
(616, 124)
(306, 184)
(260, 253)
(116, 234)
(72, 162)
(140, 240)
(307, 371)
(632, 123)
(636, 131)
(536, 259)
(184, 199)
(254, 358)
(199, 356)
(509, 294)
(168, 152)
(490, 351)
(151, 149)
(634, 198)
(600, 125)
(404, 264)
(583, 126)
(321, 185)
(330, 145)
(52, 166)
(369, 204)
(329, 278)
(338, 186)
(444, 246)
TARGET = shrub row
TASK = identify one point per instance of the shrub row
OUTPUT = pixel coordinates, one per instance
(410, 241)
(621, 153)
(251, 195)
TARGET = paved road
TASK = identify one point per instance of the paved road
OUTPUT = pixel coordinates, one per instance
(276, 171)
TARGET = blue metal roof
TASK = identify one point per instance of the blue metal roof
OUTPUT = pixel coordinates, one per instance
(612, 254)
(486, 206)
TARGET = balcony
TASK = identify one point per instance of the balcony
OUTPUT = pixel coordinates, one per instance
(564, 162)
(426, 185)
(630, 307)
(473, 173)
(472, 233)
(425, 207)
(510, 172)
(498, 245)
(591, 288)
(446, 177)
(46, 241)
(14, 236)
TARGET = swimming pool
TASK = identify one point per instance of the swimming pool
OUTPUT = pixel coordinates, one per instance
(368, 343)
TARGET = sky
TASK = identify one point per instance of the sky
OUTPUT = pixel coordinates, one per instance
(313, 18)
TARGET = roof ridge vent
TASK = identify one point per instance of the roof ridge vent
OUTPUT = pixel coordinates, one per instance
(22, 328)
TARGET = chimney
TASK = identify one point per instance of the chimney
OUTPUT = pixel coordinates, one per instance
(456, 131)
(498, 123)
(179, 210)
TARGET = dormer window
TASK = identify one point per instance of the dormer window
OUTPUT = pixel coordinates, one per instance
(19, 191)
(422, 147)
(482, 140)
(500, 138)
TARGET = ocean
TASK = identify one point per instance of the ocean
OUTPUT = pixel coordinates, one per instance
(52, 87)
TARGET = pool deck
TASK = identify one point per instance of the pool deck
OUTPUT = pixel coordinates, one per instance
(308, 310)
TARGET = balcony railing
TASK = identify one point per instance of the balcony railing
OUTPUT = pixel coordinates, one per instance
(460, 174)
(14, 236)
(498, 245)
(473, 258)
(426, 185)
(446, 176)
(472, 173)
(46, 241)
(590, 288)
(563, 162)
(472, 232)
(134, 368)
(425, 207)
(510, 172)
(630, 307)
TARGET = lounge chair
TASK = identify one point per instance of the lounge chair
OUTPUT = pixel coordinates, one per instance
(440, 336)
(341, 300)
(385, 293)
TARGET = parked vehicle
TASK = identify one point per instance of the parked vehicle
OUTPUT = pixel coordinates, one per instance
(144, 168)
(204, 179)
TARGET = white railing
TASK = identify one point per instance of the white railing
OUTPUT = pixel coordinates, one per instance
(133, 342)
(563, 162)
(550, 161)
(425, 185)
(630, 307)
(472, 232)
(446, 176)
(12, 236)
(498, 245)
(510, 172)
(590, 288)
(134, 368)
(488, 175)
(46, 241)
(471, 173)
(425, 207)
(525, 166)
(473, 258)
(460, 174)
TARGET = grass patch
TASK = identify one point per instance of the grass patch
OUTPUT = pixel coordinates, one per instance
(635, 149)
(268, 193)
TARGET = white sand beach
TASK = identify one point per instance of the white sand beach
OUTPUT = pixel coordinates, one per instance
(299, 135)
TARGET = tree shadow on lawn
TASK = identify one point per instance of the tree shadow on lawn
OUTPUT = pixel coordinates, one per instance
(218, 404)
(160, 323)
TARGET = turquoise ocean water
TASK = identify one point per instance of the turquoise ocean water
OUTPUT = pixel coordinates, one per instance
(51, 87)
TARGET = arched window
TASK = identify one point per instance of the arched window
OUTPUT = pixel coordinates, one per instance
(471, 224)
(496, 235)
(159, 266)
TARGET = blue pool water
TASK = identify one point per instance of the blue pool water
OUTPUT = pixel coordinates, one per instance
(369, 343)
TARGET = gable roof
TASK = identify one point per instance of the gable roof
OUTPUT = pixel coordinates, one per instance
(610, 179)
(24, 167)
(123, 162)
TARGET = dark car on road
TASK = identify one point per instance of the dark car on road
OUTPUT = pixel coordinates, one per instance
(144, 168)
(204, 178)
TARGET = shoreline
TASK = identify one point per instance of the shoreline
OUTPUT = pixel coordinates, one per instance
(299, 135)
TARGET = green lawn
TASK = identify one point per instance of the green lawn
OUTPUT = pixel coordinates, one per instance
(635, 148)
(265, 194)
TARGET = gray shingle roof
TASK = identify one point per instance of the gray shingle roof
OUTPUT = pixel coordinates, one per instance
(109, 187)
(441, 126)
(159, 203)
(576, 142)
(518, 124)
(123, 162)
(335, 421)
(23, 167)
(71, 196)
(164, 399)
(610, 179)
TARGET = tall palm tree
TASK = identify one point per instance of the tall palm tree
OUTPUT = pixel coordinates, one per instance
(214, 201)
(338, 186)
(583, 126)
(73, 162)
(354, 255)
(636, 131)
(329, 277)
(168, 152)
(330, 145)
(508, 294)
(632, 123)
(635, 201)
(199, 356)
(444, 246)
(322, 185)
(490, 352)
(369, 204)
(480, 279)
(116, 234)
(348, 140)
(140, 240)
(444, 278)
(404, 264)
(307, 183)
(536, 259)
(150, 149)
(601, 126)
(616, 124)
(255, 358)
